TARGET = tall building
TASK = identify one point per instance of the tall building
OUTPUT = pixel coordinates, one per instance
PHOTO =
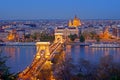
(75, 22)
(71, 29)
(70, 23)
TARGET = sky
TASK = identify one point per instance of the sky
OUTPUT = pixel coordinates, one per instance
(59, 9)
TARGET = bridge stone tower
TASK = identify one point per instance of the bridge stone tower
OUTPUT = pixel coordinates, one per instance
(42, 49)
(58, 36)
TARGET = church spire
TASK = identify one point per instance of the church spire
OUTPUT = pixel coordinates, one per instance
(75, 17)
(70, 23)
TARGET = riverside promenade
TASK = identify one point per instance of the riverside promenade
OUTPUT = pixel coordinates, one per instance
(90, 44)
(102, 44)
(106, 45)
(17, 43)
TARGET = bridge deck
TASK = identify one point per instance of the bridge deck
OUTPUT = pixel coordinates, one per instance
(38, 64)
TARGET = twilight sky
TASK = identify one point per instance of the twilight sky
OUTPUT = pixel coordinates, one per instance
(59, 9)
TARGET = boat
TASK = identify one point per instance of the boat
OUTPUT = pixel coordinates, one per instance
(101, 45)
(2, 44)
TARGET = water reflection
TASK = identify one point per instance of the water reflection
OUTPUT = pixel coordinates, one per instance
(20, 56)
(92, 54)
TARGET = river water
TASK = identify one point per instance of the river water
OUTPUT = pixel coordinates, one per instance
(22, 56)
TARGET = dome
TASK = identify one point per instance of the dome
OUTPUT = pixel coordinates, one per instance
(75, 23)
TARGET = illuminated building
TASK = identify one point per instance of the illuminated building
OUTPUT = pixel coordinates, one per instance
(71, 29)
(16, 35)
(116, 32)
(3, 35)
(12, 35)
(75, 22)
(66, 31)
(105, 34)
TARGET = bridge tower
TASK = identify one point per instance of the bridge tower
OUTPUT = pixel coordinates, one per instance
(42, 49)
(58, 36)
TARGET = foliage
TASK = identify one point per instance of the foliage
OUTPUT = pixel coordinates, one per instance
(72, 37)
(82, 38)
(27, 36)
(1, 40)
(4, 70)
(47, 37)
(93, 35)
(98, 39)
(86, 34)
(64, 69)
(34, 36)
(89, 35)
(39, 36)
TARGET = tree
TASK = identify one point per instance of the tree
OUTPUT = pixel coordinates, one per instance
(46, 37)
(72, 37)
(34, 36)
(4, 69)
(93, 35)
(82, 38)
(98, 39)
(86, 34)
(1, 40)
(27, 36)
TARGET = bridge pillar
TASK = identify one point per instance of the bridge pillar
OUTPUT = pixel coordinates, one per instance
(42, 49)
(59, 36)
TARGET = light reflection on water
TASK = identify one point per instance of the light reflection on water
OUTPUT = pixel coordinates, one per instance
(22, 56)
(92, 54)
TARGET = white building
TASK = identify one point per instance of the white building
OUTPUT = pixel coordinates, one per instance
(67, 30)
(116, 31)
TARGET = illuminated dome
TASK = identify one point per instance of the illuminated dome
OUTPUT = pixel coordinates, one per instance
(76, 22)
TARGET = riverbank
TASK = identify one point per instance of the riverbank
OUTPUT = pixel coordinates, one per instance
(96, 45)
(105, 45)
(92, 45)
(78, 43)
(18, 44)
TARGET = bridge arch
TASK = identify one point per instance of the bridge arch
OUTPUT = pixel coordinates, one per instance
(42, 49)
(58, 37)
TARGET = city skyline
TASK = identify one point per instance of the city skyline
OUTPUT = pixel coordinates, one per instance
(52, 9)
(59, 40)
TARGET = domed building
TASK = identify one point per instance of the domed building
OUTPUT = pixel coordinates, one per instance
(12, 35)
(71, 29)
(75, 22)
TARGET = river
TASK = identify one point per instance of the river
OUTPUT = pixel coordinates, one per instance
(22, 56)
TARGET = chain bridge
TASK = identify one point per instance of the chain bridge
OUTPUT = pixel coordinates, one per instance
(45, 52)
